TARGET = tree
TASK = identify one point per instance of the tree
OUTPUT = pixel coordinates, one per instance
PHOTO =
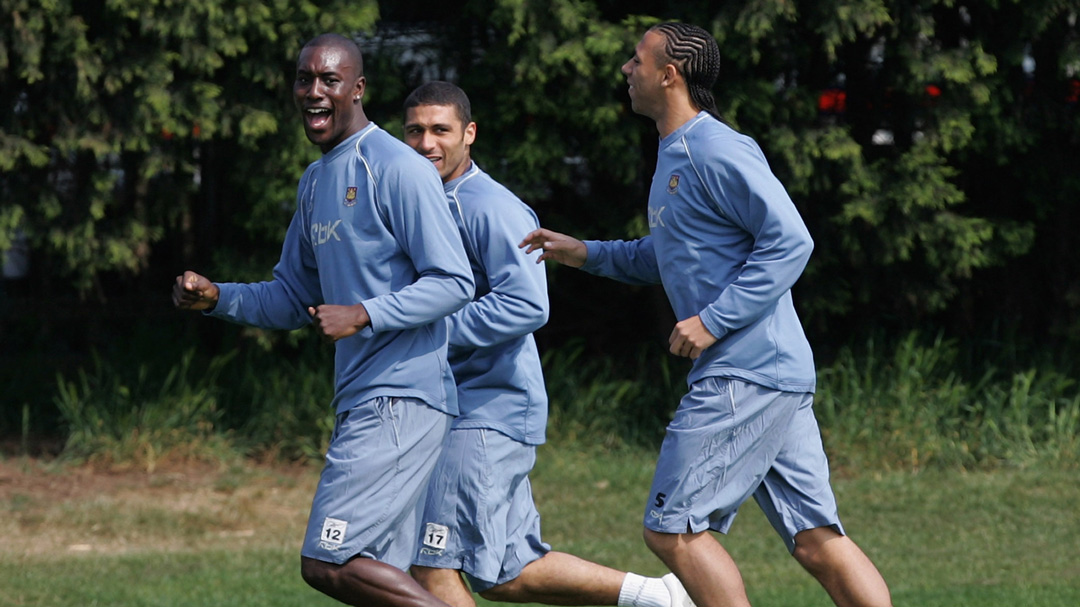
(137, 138)
(128, 125)
(924, 160)
(930, 144)
(883, 168)
(554, 126)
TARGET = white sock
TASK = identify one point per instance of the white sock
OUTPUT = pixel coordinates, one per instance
(640, 591)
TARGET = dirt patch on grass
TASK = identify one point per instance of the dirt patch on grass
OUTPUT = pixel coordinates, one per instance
(47, 508)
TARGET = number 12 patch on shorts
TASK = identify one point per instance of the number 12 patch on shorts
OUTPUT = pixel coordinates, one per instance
(333, 533)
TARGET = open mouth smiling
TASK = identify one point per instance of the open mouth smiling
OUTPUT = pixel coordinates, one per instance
(317, 117)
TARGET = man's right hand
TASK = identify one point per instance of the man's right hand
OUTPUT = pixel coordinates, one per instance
(194, 292)
(556, 247)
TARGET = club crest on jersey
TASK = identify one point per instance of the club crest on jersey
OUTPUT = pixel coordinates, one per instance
(350, 196)
(673, 184)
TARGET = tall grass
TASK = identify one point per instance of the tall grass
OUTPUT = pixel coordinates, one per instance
(914, 404)
(612, 402)
(281, 405)
(134, 416)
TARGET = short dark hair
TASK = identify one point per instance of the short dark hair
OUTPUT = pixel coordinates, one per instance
(695, 54)
(342, 42)
(439, 92)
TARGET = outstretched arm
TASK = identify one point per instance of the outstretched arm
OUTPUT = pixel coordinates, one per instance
(632, 262)
(688, 338)
(558, 247)
(280, 303)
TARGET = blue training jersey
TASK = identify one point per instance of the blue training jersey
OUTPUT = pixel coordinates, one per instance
(727, 243)
(492, 351)
(371, 227)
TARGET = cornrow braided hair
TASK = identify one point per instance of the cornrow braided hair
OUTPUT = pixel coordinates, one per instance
(697, 57)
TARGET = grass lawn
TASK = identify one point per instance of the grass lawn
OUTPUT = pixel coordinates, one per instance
(229, 537)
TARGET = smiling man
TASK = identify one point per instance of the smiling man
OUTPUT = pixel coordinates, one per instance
(480, 520)
(727, 243)
(372, 260)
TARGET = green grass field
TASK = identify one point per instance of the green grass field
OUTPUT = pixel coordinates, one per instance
(230, 538)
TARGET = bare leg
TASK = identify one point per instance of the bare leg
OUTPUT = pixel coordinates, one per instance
(446, 584)
(845, 572)
(703, 566)
(364, 581)
(558, 578)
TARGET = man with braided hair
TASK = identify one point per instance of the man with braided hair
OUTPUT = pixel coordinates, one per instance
(727, 243)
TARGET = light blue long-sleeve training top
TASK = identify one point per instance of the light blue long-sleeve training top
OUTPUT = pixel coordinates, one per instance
(371, 227)
(727, 243)
(492, 351)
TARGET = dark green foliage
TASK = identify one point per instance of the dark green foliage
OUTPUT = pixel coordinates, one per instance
(139, 138)
(918, 403)
(132, 126)
(282, 399)
(134, 415)
(613, 402)
(912, 404)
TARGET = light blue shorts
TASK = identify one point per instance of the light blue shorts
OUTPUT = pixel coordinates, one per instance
(731, 440)
(480, 517)
(368, 502)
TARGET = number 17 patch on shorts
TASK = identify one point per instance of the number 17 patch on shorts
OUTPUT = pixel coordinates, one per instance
(435, 537)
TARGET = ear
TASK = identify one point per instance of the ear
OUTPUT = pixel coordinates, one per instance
(358, 92)
(671, 75)
(470, 133)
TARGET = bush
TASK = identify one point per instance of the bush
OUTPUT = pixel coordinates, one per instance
(113, 416)
(915, 406)
(611, 401)
(919, 403)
